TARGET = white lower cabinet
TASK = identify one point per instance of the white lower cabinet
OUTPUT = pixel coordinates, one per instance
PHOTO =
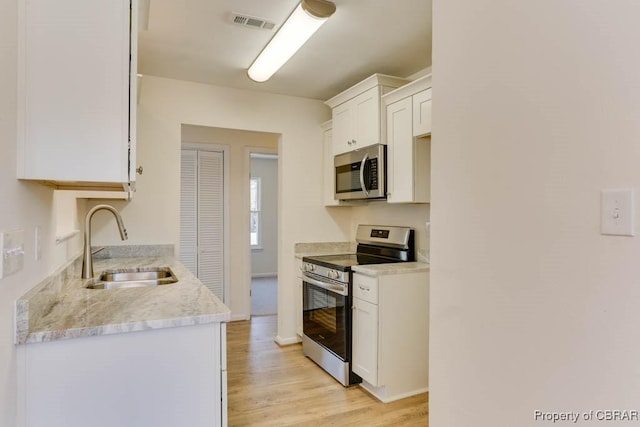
(298, 275)
(162, 377)
(365, 340)
(391, 333)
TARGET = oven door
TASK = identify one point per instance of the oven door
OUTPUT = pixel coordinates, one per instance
(361, 174)
(325, 315)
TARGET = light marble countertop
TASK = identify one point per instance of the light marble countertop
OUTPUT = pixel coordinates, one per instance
(324, 248)
(375, 270)
(60, 307)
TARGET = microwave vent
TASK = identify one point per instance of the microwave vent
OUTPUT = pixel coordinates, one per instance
(252, 21)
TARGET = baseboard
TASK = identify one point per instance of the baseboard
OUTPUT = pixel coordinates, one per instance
(287, 341)
(263, 275)
(382, 394)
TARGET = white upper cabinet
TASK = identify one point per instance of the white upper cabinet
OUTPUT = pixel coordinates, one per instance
(422, 113)
(77, 93)
(357, 114)
(328, 171)
(357, 121)
(408, 130)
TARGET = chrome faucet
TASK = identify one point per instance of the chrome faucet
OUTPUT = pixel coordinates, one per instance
(87, 259)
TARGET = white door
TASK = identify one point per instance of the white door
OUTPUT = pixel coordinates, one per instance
(201, 217)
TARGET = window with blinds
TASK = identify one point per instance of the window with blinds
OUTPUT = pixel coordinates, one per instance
(201, 217)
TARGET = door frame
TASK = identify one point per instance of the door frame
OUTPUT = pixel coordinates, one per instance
(226, 246)
(248, 150)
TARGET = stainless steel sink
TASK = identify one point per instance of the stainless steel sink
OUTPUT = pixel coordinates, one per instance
(135, 278)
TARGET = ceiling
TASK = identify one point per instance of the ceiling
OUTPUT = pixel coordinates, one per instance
(196, 40)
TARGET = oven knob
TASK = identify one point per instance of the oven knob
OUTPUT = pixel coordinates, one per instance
(309, 267)
(332, 274)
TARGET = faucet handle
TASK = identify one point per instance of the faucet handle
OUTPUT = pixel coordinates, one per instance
(96, 250)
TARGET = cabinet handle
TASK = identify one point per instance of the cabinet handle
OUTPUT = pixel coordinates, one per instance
(349, 142)
(139, 170)
(362, 288)
(353, 140)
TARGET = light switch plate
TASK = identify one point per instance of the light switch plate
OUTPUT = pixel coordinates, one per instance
(11, 252)
(617, 213)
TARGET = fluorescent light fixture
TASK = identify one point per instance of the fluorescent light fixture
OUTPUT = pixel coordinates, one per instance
(305, 20)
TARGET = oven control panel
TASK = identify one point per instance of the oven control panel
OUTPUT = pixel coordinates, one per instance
(380, 234)
(319, 272)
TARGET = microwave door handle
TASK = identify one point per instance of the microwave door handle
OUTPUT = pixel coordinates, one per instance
(362, 164)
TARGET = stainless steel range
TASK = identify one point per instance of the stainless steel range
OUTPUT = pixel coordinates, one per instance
(327, 295)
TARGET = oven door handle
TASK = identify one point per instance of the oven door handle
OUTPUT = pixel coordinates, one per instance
(362, 165)
(328, 286)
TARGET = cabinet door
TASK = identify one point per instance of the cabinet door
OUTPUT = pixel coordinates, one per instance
(400, 171)
(422, 113)
(342, 128)
(161, 378)
(365, 340)
(366, 116)
(329, 175)
(74, 90)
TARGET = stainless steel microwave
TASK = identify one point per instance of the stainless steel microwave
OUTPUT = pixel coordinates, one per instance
(361, 174)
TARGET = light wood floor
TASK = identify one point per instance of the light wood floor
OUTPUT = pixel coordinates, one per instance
(269, 385)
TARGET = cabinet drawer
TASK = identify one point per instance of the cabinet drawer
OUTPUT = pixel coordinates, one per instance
(365, 288)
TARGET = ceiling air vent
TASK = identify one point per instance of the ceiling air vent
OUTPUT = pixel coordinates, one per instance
(252, 21)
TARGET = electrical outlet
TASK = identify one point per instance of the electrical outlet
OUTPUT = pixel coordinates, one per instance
(11, 252)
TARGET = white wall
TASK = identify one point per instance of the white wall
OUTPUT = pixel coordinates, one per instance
(406, 215)
(536, 109)
(23, 206)
(164, 106)
(264, 261)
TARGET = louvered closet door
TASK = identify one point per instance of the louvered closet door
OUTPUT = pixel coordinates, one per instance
(189, 210)
(201, 217)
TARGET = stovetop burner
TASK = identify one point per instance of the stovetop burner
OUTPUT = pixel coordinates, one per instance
(376, 245)
(344, 262)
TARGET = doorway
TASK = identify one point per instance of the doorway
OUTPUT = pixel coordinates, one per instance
(237, 146)
(263, 231)
(203, 223)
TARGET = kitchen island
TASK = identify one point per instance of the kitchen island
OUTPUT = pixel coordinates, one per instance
(126, 357)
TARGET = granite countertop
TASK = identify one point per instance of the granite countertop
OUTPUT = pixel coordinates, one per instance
(375, 270)
(60, 307)
(324, 248)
